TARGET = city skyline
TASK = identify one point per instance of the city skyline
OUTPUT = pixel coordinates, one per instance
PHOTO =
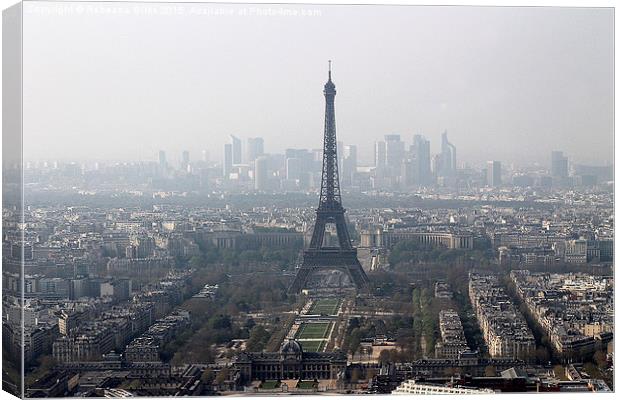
(474, 81)
(175, 158)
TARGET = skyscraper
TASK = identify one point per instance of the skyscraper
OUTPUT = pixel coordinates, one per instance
(255, 149)
(235, 144)
(349, 163)
(494, 173)
(559, 165)
(261, 173)
(185, 160)
(293, 168)
(409, 174)
(421, 151)
(448, 157)
(228, 160)
(307, 158)
(394, 152)
(308, 164)
(380, 156)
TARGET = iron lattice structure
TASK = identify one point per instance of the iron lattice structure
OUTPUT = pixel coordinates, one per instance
(319, 259)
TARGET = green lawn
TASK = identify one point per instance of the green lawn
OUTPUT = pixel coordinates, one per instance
(312, 345)
(270, 385)
(325, 306)
(317, 330)
(306, 385)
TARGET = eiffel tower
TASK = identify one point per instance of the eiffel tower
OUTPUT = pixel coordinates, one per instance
(330, 268)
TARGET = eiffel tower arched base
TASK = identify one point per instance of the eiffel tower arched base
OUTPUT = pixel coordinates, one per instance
(330, 270)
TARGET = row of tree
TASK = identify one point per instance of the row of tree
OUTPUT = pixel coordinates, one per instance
(213, 320)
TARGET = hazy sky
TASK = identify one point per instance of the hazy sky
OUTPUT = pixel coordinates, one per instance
(507, 83)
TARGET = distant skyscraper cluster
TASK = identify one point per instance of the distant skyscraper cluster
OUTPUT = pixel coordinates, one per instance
(396, 165)
(399, 166)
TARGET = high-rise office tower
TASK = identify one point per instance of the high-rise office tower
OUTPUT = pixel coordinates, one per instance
(421, 151)
(228, 160)
(261, 173)
(409, 174)
(494, 173)
(350, 153)
(559, 165)
(235, 144)
(255, 149)
(380, 155)
(308, 164)
(293, 168)
(306, 157)
(185, 160)
(349, 163)
(448, 157)
(394, 152)
(205, 156)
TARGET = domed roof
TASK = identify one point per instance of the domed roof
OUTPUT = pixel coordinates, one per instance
(291, 347)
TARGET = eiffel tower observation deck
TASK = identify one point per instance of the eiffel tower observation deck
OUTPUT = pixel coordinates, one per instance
(330, 268)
